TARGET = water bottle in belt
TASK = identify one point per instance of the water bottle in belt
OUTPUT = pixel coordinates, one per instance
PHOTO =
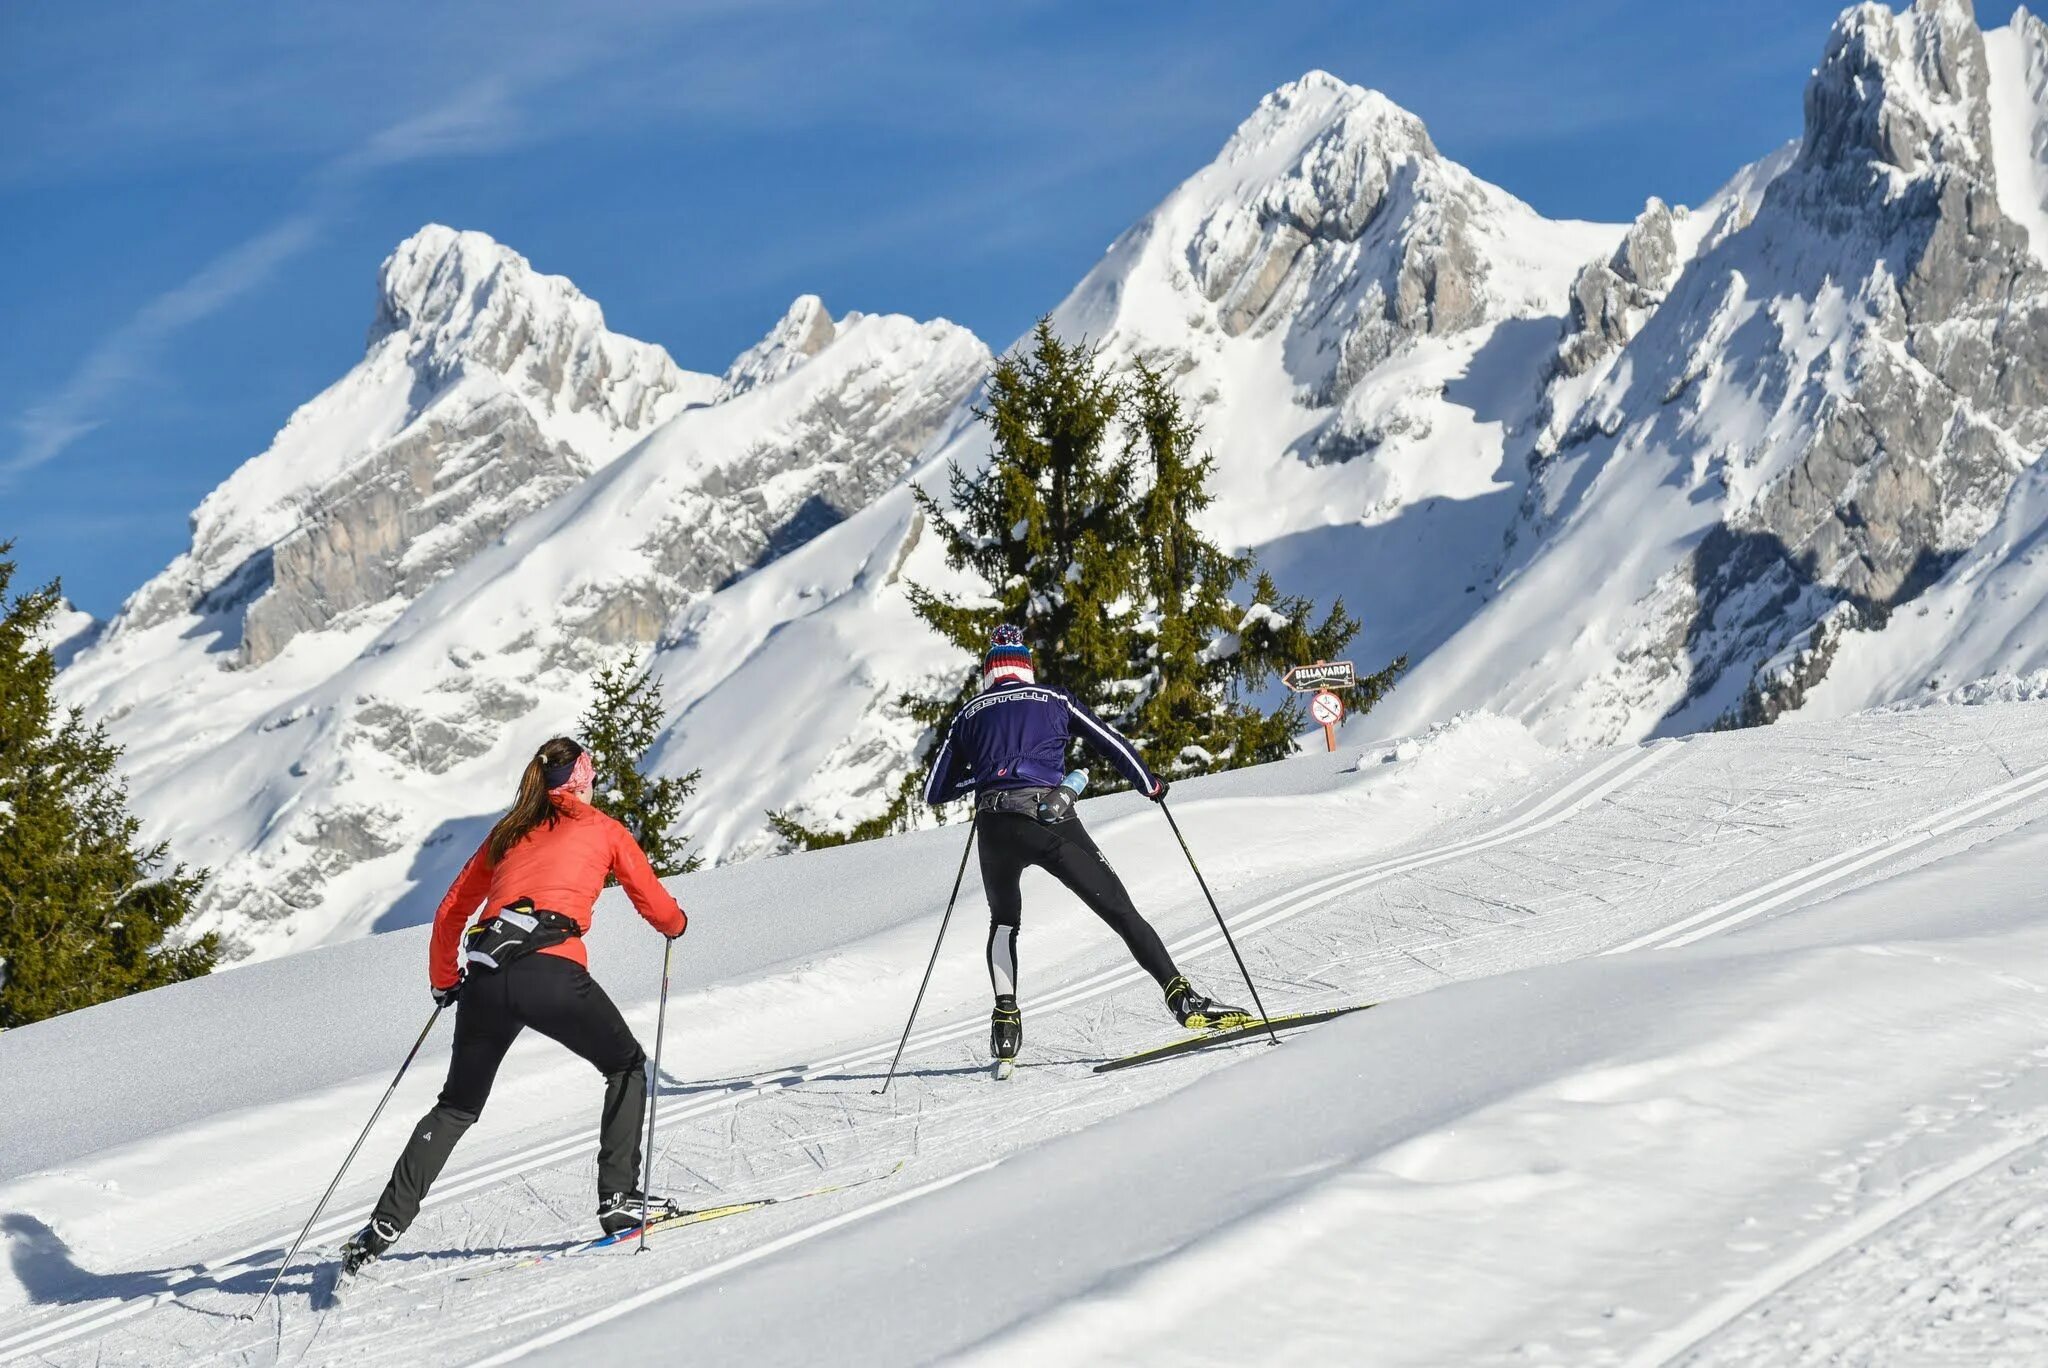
(1058, 803)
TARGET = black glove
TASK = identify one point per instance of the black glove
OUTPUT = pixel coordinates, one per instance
(445, 997)
(1158, 795)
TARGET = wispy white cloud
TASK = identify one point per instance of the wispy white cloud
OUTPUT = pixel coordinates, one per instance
(482, 118)
(479, 118)
(124, 355)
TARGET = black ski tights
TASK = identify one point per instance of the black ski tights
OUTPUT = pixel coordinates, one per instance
(1012, 842)
(558, 998)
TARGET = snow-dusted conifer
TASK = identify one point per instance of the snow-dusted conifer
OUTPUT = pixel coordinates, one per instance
(618, 730)
(86, 913)
(1198, 652)
(1081, 527)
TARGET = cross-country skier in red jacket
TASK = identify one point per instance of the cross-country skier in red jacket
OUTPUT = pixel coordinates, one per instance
(537, 876)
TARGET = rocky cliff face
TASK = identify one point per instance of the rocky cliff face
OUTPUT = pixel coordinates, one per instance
(1808, 424)
(1610, 297)
(1903, 458)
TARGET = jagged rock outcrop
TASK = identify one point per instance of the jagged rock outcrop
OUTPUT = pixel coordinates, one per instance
(1609, 296)
(802, 333)
(413, 512)
(1351, 230)
(1907, 457)
(460, 300)
(1848, 382)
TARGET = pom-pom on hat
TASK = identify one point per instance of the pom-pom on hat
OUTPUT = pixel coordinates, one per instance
(1007, 656)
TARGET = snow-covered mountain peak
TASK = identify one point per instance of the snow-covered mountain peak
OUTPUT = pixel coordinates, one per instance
(1330, 227)
(1319, 118)
(458, 298)
(1318, 159)
(801, 333)
(1903, 90)
(486, 389)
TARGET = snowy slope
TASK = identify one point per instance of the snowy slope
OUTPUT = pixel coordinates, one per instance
(1814, 1073)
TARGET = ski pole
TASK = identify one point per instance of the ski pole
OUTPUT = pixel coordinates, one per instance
(654, 1095)
(957, 880)
(1228, 939)
(325, 1196)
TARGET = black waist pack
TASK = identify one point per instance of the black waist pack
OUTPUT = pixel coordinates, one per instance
(516, 932)
(1047, 805)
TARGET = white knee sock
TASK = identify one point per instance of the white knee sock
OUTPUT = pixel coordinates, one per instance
(1002, 959)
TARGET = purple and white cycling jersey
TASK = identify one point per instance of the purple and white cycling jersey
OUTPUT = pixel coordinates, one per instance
(1015, 734)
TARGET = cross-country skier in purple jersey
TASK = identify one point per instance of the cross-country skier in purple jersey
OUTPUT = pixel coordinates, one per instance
(1008, 747)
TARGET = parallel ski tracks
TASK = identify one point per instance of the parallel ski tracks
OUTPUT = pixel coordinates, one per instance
(1753, 903)
(1672, 1344)
(1575, 796)
(1582, 792)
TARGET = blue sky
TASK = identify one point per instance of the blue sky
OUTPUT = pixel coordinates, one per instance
(194, 197)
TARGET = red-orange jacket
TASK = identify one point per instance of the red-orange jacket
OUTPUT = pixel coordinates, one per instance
(562, 868)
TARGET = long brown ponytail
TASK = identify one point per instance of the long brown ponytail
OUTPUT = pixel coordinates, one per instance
(532, 806)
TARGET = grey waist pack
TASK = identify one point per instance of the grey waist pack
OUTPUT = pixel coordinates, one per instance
(1048, 805)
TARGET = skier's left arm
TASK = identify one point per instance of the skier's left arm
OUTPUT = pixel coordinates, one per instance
(644, 887)
(1114, 746)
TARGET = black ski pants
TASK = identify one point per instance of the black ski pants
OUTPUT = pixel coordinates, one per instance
(1012, 842)
(558, 998)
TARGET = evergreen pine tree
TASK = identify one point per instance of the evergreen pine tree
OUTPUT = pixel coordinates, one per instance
(1200, 653)
(618, 730)
(86, 914)
(1047, 524)
(1082, 528)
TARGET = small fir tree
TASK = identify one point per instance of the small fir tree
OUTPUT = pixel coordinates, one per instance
(1082, 528)
(1046, 526)
(86, 913)
(1200, 653)
(619, 729)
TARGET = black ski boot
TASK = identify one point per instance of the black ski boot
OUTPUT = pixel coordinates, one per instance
(1198, 1013)
(618, 1212)
(365, 1245)
(1005, 1029)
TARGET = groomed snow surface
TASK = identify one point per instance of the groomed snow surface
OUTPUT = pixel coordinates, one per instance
(1723, 1050)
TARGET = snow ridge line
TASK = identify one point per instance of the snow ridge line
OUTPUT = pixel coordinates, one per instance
(648, 1296)
(1570, 800)
(1567, 801)
(1717, 1315)
(1755, 902)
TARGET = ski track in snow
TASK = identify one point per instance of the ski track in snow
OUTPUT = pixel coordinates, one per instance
(1657, 846)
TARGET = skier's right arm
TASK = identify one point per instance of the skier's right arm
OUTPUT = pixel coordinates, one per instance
(644, 888)
(942, 784)
(465, 895)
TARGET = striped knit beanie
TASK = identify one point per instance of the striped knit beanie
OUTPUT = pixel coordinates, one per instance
(1007, 657)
